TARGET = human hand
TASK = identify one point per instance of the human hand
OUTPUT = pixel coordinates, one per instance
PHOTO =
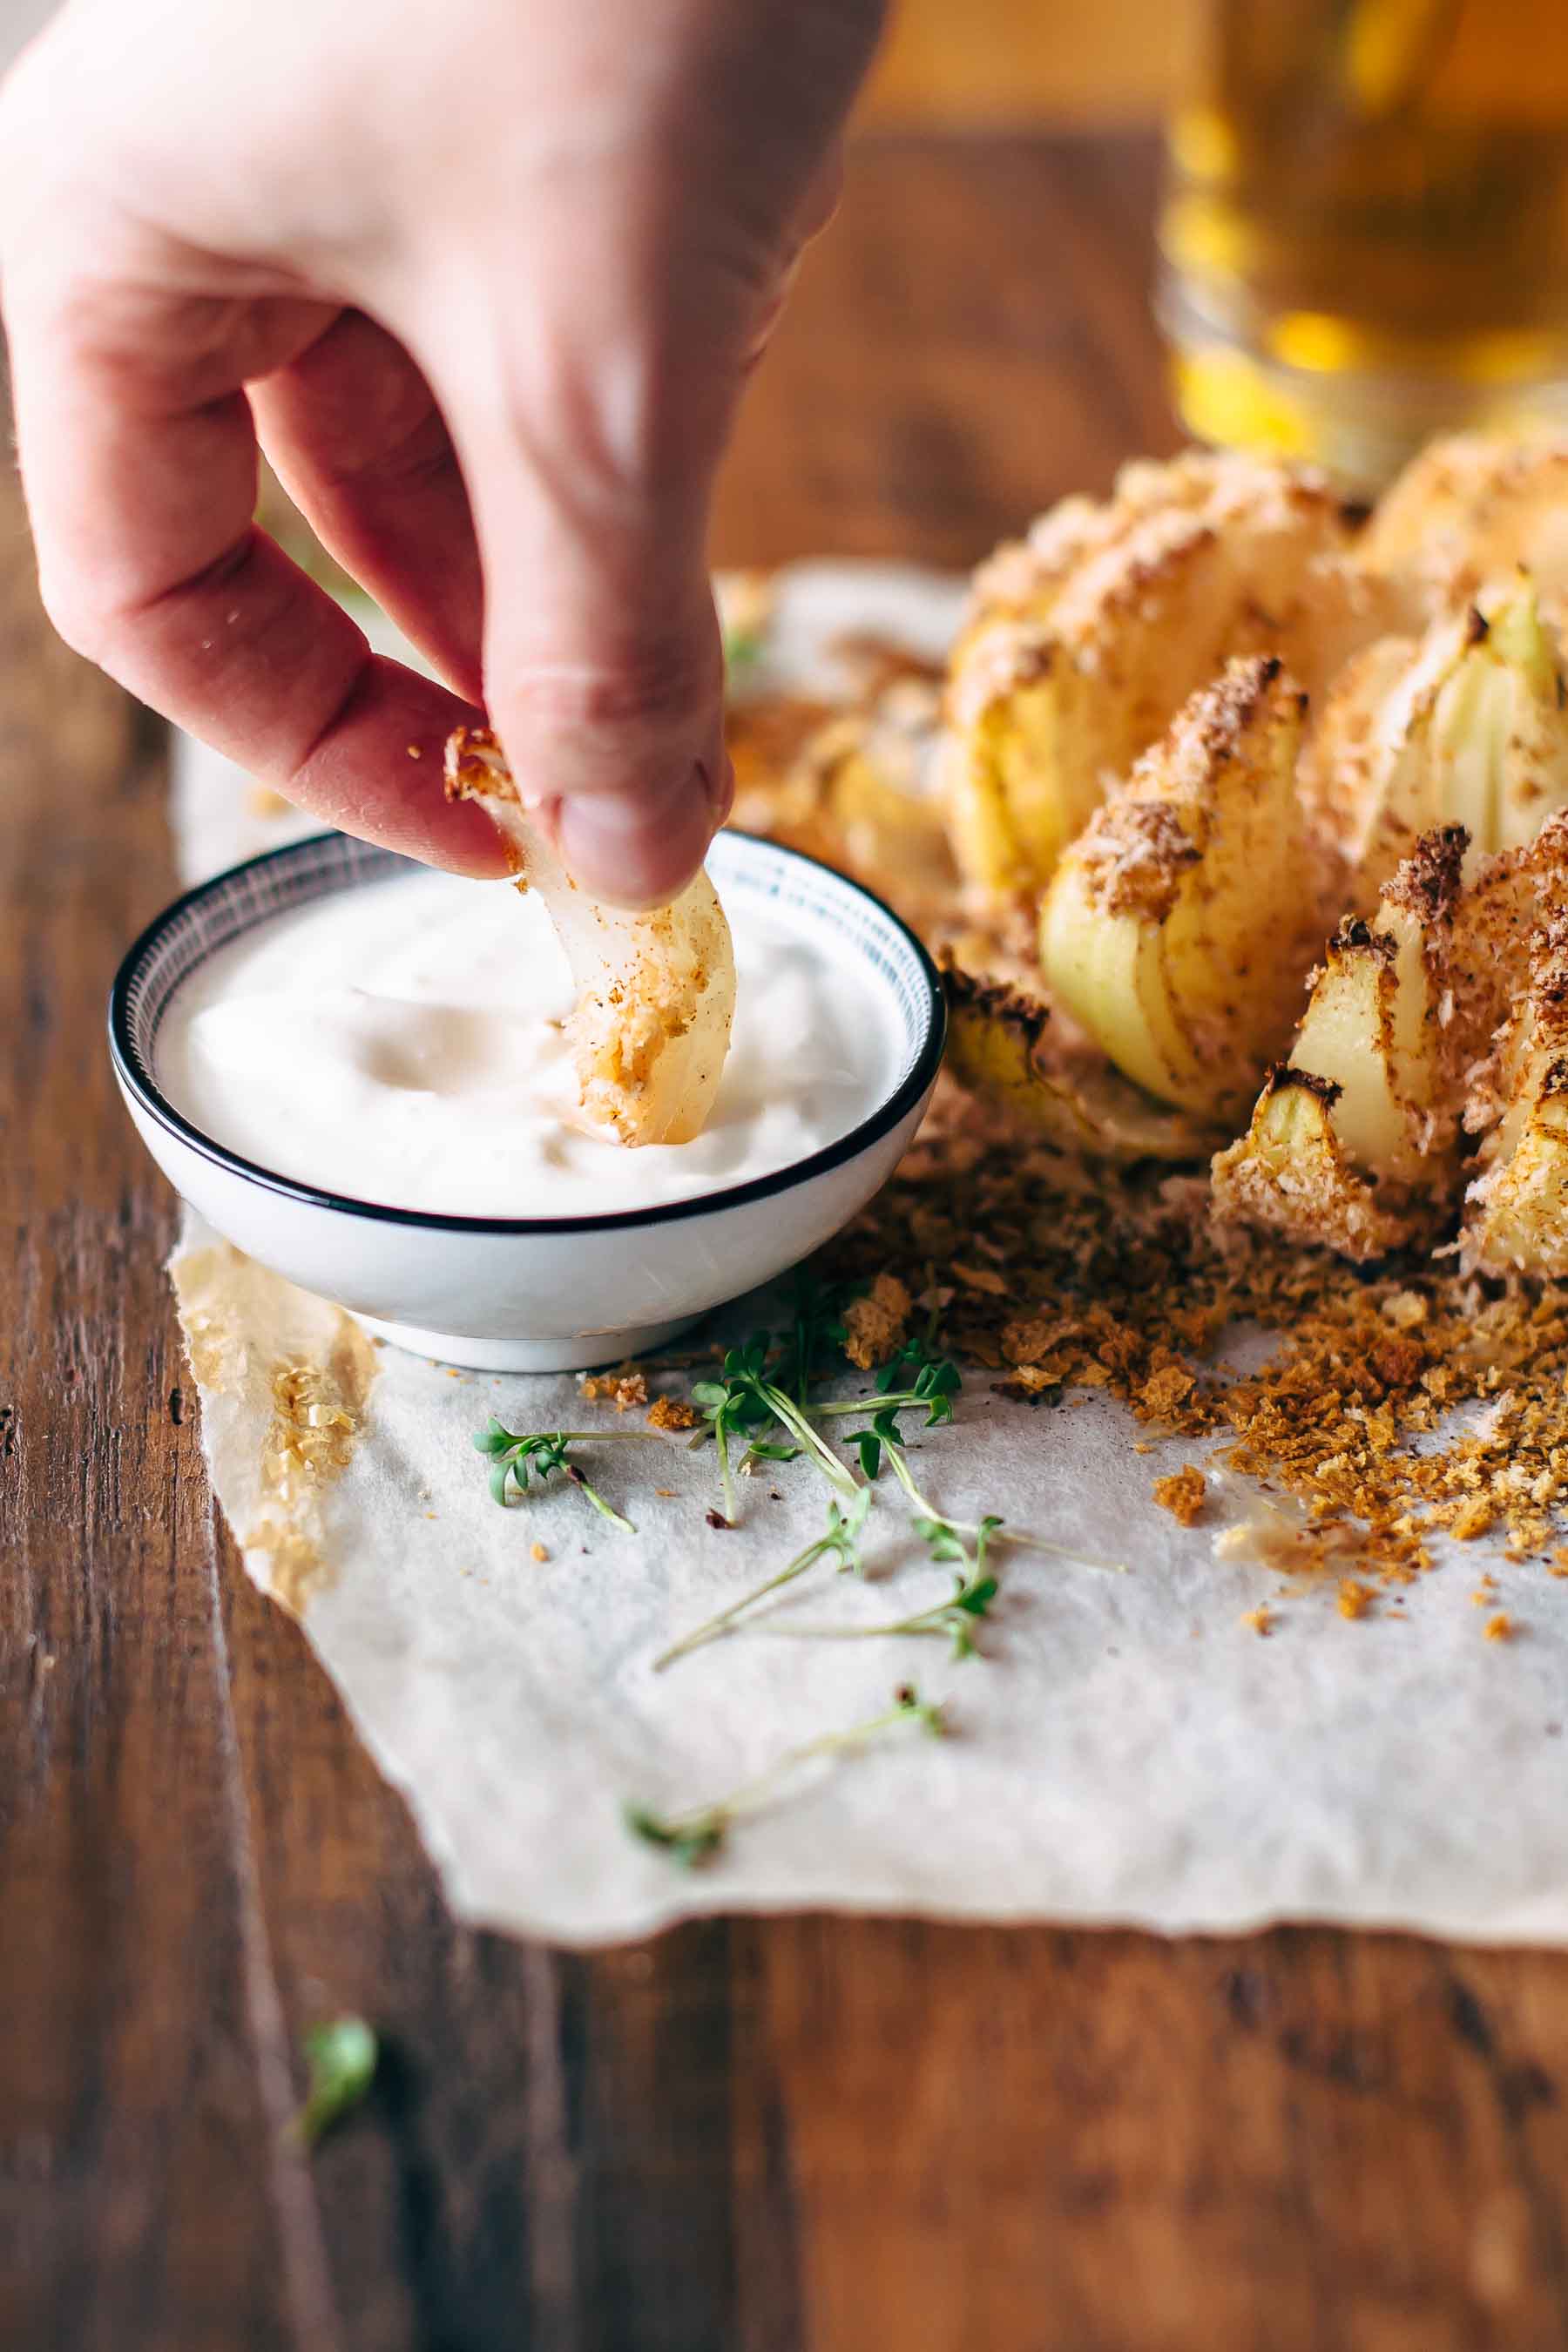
(485, 280)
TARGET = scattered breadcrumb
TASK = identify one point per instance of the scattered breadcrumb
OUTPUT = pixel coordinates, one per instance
(876, 1327)
(414, 751)
(1116, 1280)
(537, 1551)
(1122, 1283)
(1182, 1493)
(1164, 1390)
(981, 1278)
(624, 1390)
(1261, 1621)
(665, 1493)
(1499, 1628)
(671, 1413)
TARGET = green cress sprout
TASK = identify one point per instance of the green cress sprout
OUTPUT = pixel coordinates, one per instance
(746, 1398)
(975, 1589)
(840, 1540)
(340, 2058)
(514, 1458)
(691, 1839)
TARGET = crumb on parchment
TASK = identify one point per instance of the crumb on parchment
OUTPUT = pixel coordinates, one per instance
(537, 1551)
(1355, 1598)
(623, 1389)
(1182, 1493)
(982, 1277)
(1261, 1621)
(1499, 1628)
(876, 1327)
(671, 1413)
(1122, 1283)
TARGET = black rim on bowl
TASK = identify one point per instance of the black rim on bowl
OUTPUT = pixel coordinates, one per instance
(349, 863)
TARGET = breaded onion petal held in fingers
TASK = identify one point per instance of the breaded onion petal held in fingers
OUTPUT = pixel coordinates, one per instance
(657, 990)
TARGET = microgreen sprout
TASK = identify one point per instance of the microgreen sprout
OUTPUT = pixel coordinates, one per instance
(936, 1382)
(747, 1397)
(731, 1409)
(516, 1456)
(883, 1441)
(840, 1540)
(975, 1589)
(816, 1328)
(691, 1839)
(340, 2059)
(933, 1372)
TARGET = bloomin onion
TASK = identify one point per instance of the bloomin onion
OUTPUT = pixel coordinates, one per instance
(868, 777)
(1180, 925)
(1013, 1054)
(1517, 1205)
(1470, 510)
(1354, 1142)
(1468, 725)
(1087, 636)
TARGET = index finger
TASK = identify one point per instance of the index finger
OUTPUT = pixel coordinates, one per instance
(138, 456)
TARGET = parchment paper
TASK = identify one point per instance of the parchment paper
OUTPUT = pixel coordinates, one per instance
(1127, 1747)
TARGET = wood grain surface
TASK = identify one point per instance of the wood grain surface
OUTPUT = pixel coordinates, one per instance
(745, 2137)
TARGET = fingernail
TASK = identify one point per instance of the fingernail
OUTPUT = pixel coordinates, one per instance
(721, 789)
(637, 848)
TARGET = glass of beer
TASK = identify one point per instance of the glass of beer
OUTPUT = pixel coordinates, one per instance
(1365, 233)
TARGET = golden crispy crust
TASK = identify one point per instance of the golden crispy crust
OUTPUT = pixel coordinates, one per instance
(1012, 1052)
(1135, 850)
(1318, 1201)
(1000, 1002)
(657, 990)
(1429, 880)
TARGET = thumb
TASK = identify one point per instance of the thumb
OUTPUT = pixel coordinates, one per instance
(604, 670)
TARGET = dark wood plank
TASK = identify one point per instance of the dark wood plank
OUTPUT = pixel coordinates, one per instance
(1308, 2139)
(971, 340)
(759, 2135)
(132, 2107)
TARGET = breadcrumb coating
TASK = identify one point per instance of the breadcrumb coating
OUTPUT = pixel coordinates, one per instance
(671, 1413)
(877, 1324)
(1123, 1284)
(1182, 1493)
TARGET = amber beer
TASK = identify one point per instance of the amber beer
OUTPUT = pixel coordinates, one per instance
(1365, 236)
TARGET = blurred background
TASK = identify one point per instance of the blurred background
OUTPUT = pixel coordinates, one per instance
(981, 62)
(1348, 219)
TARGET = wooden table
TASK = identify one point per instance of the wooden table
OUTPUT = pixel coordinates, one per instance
(750, 2136)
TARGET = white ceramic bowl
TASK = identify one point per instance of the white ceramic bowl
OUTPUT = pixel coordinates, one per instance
(528, 1294)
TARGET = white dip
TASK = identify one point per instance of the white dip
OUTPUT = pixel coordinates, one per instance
(401, 1043)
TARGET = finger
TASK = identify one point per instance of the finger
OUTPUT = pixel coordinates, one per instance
(604, 672)
(139, 461)
(355, 437)
(825, 195)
